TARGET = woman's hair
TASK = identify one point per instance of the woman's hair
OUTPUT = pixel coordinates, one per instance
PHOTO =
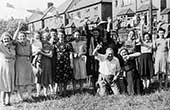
(121, 49)
(53, 30)
(76, 30)
(161, 29)
(5, 34)
(146, 33)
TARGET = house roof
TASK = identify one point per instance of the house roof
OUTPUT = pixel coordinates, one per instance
(146, 7)
(85, 3)
(34, 17)
(165, 11)
(127, 11)
(51, 11)
(63, 7)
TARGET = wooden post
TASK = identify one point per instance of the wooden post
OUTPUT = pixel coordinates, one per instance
(151, 18)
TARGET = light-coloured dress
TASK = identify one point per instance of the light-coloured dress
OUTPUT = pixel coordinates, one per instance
(162, 47)
(79, 69)
(7, 72)
(24, 72)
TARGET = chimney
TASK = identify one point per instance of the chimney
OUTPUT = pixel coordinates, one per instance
(50, 4)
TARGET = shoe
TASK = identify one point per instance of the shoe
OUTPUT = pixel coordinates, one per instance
(8, 104)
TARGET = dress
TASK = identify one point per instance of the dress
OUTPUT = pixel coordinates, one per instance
(64, 71)
(7, 72)
(161, 63)
(24, 72)
(146, 61)
(79, 69)
(45, 77)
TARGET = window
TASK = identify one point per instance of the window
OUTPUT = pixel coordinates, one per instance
(96, 8)
(143, 1)
(88, 10)
(79, 14)
(116, 3)
(126, 2)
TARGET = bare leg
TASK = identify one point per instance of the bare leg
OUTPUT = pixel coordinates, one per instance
(45, 91)
(3, 95)
(8, 94)
(29, 90)
(20, 94)
(56, 88)
(51, 89)
(38, 86)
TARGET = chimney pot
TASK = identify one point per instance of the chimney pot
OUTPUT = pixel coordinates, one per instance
(50, 4)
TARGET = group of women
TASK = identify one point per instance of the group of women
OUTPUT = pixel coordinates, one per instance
(46, 60)
(49, 61)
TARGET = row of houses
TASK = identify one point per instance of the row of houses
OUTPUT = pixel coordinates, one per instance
(71, 13)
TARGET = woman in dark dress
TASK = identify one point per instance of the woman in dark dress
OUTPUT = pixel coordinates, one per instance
(45, 78)
(146, 61)
(64, 63)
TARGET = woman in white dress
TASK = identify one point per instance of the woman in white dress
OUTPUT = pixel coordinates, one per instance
(7, 72)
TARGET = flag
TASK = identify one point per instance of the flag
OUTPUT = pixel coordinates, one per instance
(68, 16)
(35, 11)
(76, 18)
(9, 5)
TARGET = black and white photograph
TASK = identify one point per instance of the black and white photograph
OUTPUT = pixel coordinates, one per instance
(84, 54)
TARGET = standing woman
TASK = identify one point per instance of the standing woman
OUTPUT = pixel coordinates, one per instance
(7, 72)
(46, 64)
(79, 59)
(161, 45)
(146, 60)
(24, 73)
(64, 63)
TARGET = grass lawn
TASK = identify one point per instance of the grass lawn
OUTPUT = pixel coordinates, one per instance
(86, 101)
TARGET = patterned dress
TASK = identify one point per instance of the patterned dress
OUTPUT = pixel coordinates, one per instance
(7, 72)
(64, 71)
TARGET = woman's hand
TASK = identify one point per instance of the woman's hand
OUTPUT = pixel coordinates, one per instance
(99, 46)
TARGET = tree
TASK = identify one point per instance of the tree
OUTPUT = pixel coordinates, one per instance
(11, 26)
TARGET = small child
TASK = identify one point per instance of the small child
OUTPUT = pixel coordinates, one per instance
(36, 47)
(36, 62)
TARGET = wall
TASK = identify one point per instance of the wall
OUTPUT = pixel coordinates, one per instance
(91, 12)
(106, 11)
(35, 26)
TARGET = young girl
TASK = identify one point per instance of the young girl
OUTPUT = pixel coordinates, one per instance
(146, 60)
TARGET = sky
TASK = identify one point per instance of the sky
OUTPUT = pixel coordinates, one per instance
(22, 5)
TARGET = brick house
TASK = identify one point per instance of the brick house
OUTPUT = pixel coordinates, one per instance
(138, 7)
(91, 9)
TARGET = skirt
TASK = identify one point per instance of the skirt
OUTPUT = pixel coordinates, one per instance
(146, 68)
